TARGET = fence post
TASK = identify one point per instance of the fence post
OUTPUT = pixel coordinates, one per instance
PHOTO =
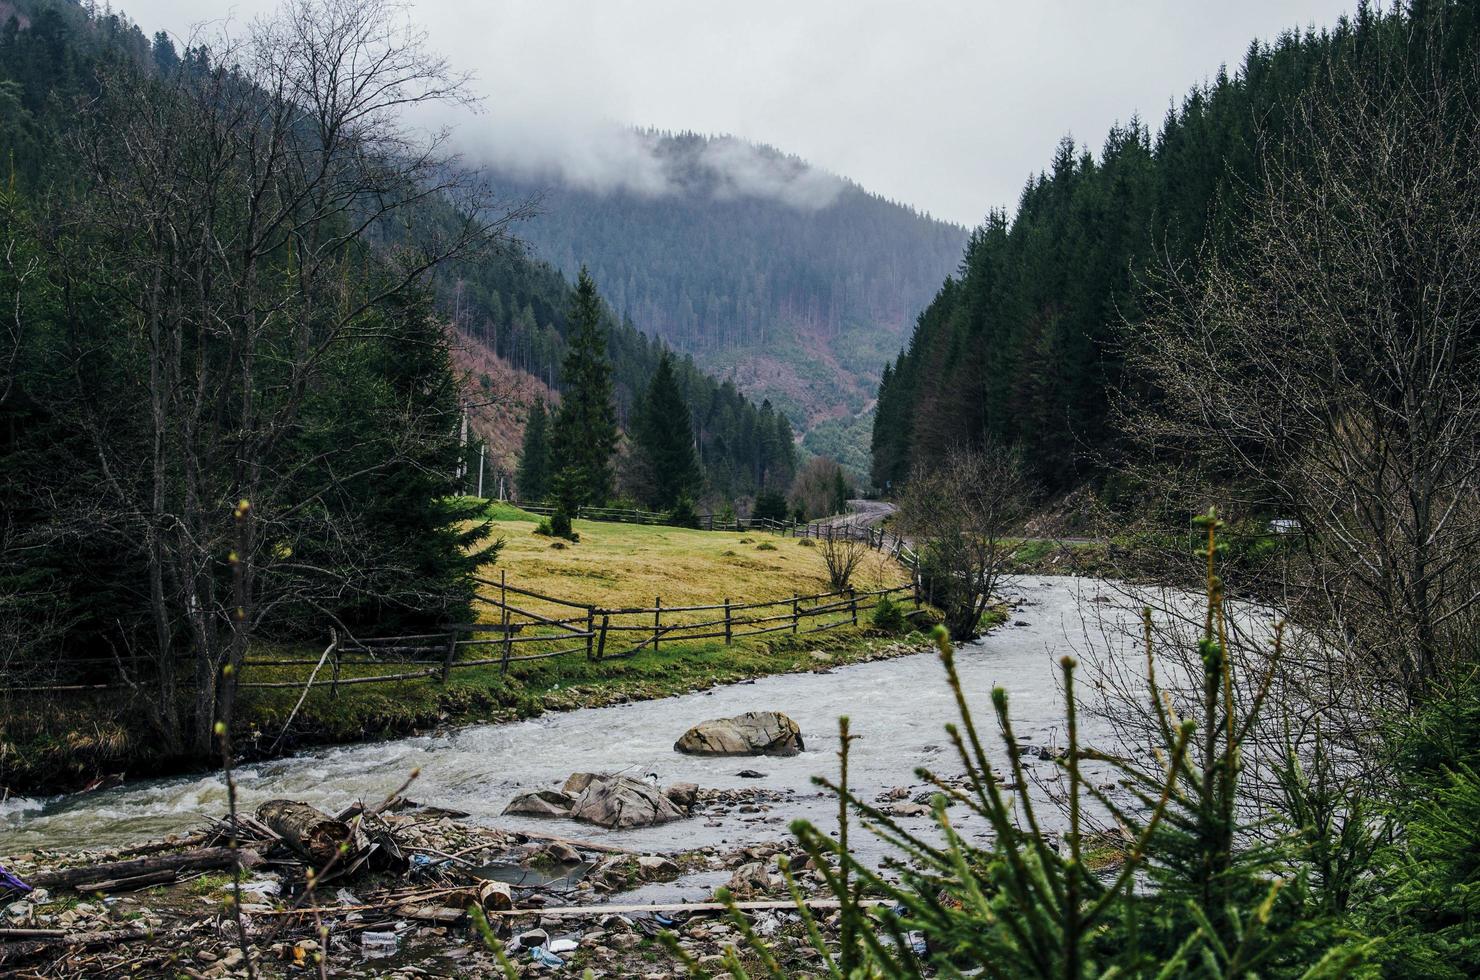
(601, 643)
(795, 612)
(451, 653)
(590, 629)
(727, 621)
(657, 621)
(853, 604)
(508, 627)
(334, 652)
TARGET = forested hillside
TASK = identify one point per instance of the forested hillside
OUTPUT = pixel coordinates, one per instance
(518, 309)
(1023, 345)
(229, 399)
(502, 299)
(795, 282)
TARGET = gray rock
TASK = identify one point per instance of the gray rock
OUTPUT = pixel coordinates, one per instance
(541, 803)
(621, 801)
(909, 810)
(753, 733)
(683, 795)
(655, 866)
(578, 781)
(750, 880)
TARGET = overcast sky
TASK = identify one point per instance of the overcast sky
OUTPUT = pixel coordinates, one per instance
(947, 105)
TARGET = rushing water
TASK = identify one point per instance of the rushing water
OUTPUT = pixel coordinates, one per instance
(898, 708)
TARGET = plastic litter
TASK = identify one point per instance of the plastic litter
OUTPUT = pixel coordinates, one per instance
(544, 957)
(563, 946)
(9, 882)
(379, 943)
(263, 886)
(664, 920)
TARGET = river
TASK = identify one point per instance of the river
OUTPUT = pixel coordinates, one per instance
(898, 707)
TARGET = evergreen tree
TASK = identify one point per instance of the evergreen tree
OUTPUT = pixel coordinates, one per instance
(585, 431)
(533, 477)
(665, 438)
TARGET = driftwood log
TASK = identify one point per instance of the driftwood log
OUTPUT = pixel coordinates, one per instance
(308, 831)
(199, 859)
(22, 949)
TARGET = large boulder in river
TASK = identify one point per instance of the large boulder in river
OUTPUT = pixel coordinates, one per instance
(621, 801)
(542, 803)
(753, 733)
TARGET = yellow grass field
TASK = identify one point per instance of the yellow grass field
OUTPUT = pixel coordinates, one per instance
(615, 565)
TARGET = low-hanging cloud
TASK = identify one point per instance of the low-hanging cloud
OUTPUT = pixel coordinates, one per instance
(602, 157)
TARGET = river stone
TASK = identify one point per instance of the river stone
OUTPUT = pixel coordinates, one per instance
(683, 795)
(578, 781)
(541, 803)
(750, 880)
(753, 733)
(621, 801)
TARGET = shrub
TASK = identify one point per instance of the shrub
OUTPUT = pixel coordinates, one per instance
(806, 542)
(544, 528)
(683, 513)
(888, 617)
(765, 546)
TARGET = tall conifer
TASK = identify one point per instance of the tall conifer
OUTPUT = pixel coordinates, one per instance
(665, 437)
(533, 478)
(585, 430)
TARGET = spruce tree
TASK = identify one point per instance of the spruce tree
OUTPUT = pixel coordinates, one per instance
(585, 431)
(665, 438)
(533, 478)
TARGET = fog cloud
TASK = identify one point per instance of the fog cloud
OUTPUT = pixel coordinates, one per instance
(603, 157)
(948, 105)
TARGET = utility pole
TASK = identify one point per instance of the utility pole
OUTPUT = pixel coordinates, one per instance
(482, 450)
(462, 456)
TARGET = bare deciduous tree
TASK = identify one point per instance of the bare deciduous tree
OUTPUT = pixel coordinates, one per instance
(959, 509)
(843, 551)
(254, 212)
(1322, 366)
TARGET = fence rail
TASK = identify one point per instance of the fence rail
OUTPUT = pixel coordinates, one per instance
(600, 633)
(572, 627)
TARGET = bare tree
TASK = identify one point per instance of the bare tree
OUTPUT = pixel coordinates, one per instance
(843, 551)
(247, 218)
(1322, 365)
(959, 509)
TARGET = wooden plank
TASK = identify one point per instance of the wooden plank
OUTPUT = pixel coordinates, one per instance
(754, 906)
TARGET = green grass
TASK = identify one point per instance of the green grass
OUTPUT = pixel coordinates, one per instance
(613, 565)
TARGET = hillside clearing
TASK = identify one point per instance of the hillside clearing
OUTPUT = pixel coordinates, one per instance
(632, 564)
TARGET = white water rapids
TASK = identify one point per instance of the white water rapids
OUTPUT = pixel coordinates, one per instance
(898, 708)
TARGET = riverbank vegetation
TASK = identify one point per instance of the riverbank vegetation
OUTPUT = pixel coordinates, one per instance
(73, 738)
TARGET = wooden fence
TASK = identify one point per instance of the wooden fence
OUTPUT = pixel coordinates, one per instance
(526, 625)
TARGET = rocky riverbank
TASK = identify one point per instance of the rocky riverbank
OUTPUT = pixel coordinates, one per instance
(409, 901)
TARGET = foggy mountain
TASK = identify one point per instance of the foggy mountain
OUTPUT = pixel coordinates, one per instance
(793, 281)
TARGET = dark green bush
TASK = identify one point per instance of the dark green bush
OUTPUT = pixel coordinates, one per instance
(888, 617)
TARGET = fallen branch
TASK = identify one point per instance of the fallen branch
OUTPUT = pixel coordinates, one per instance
(580, 845)
(201, 859)
(758, 906)
(26, 948)
(134, 882)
